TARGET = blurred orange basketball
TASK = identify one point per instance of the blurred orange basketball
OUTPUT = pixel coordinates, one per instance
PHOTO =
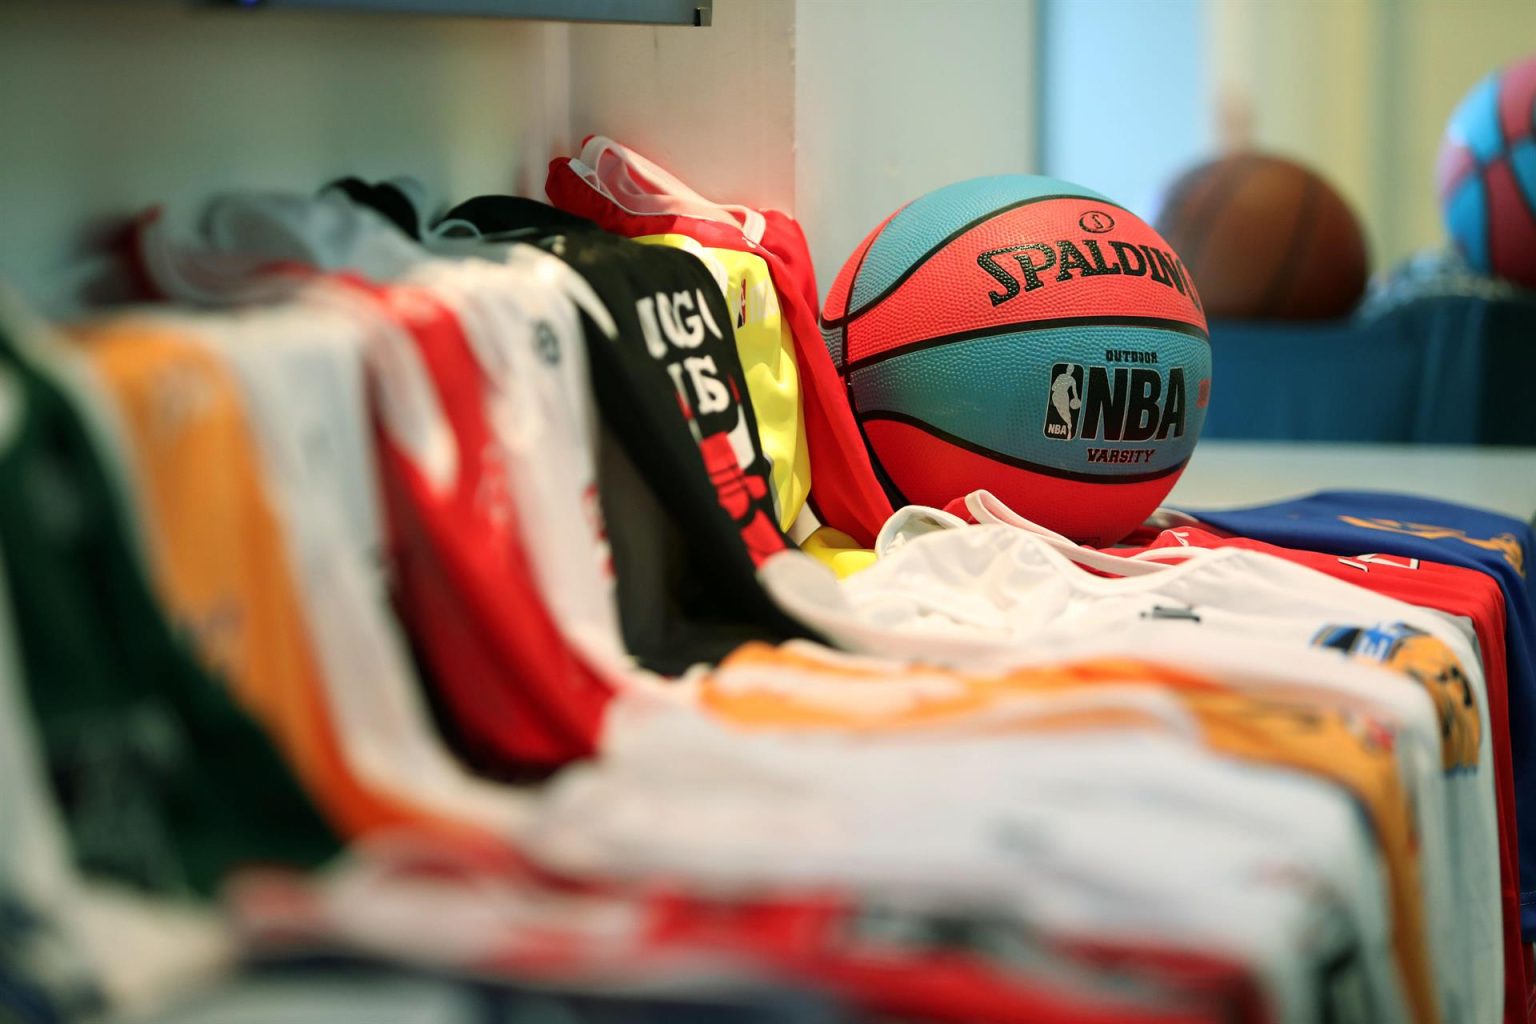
(1265, 239)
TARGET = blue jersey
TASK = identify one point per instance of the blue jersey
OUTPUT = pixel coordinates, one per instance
(1356, 522)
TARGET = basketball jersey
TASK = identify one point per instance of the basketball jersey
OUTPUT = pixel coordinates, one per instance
(1453, 590)
(1456, 591)
(896, 956)
(764, 344)
(320, 598)
(227, 249)
(162, 782)
(1348, 522)
(1018, 800)
(223, 573)
(664, 533)
(526, 336)
(69, 946)
(685, 488)
(514, 697)
(767, 351)
(625, 193)
(519, 315)
(988, 592)
(41, 942)
(1272, 728)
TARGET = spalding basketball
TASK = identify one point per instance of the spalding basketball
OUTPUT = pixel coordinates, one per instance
(1487, 174)
(1267, 239)
(1026, 336)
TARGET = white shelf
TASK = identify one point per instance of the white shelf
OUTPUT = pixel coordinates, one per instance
(1229, 473)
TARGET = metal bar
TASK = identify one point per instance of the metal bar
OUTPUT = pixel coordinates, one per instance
(647, 12)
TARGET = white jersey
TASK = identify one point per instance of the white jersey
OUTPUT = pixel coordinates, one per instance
(1030, 824)
(526, 335)
(222, 251)
(518, 307)
(995, 594)
(300, 368)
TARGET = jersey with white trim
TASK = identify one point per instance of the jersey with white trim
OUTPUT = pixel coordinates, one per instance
(41, 943)
(514, 697)
(162, 781)
(518, 310)
(1348, 522)
(628, 194)
(830, 784)
(767, 351)
(997, 593)
(665, 534)
(684, 487)
(300, 368)
(1453, 590)
(526, 336)
(909, 955)
(763, 340)
(1436, 652)
(223, 572)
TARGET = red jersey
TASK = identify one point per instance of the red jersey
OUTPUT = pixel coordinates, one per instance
(516, 698)
(1453, 590)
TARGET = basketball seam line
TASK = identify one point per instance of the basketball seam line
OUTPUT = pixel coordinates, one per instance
(1027, 327)
(1281, 282)
(1487, 217)
(916, 265)
(1216, 200)
(1461, 179)
(853, 282)
(1015, 461)
(892, 492)
(1480, 172)
(1525, 200)
(1173, 207)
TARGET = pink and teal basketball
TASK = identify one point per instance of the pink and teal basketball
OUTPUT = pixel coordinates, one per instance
(1487, 174)
(1030, 337)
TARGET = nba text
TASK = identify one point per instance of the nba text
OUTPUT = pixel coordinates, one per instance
(1114, 403)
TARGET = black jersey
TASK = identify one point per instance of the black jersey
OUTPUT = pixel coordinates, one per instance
(683, 481)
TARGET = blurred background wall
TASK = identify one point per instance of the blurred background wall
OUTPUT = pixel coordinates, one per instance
(1360, 89)
(112, 106)
(838, 109)
(895, 98)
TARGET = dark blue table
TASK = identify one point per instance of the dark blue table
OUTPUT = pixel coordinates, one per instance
(1442, 370)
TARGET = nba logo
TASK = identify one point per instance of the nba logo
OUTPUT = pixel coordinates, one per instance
(1064, 401)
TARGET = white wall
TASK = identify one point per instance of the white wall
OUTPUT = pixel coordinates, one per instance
(715, 106)
(838, 110)
(111, 106)
(1361, 89)
(895, 98)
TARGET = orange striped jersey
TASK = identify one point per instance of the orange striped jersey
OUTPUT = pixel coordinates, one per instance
(798, 687)
(220, 561)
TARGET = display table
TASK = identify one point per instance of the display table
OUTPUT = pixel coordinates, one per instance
(1223, 474)
(1451, 370)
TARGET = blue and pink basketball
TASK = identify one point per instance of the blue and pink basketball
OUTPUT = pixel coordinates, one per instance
(1487, 174)
(1027, 336)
